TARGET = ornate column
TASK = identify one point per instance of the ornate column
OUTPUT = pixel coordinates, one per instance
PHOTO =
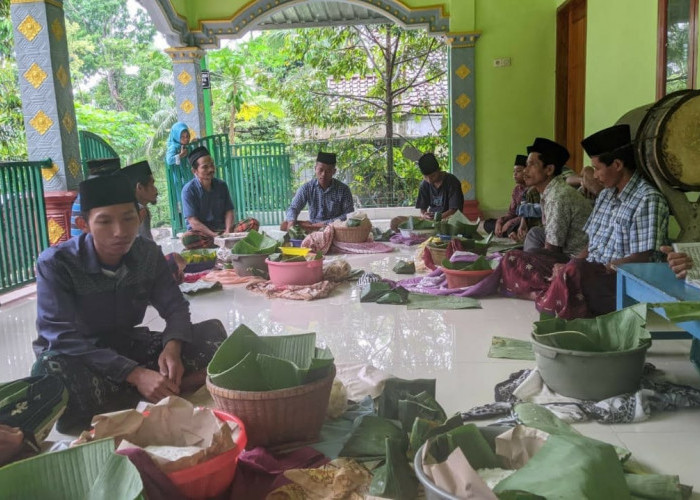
(41, 52)
(462, 116)
(189, 98)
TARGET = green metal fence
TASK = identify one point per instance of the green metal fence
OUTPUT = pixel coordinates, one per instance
(23, 228)
(258, 175)
(261, 180)
(92, 147)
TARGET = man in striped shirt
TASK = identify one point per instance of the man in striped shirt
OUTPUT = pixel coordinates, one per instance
(629, 223)
(328, 198)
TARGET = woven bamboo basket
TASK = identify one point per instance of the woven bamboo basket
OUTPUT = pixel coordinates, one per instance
(438, 254)
(357, 234)
(293, 415)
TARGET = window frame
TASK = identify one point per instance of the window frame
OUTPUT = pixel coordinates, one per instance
(662, 37)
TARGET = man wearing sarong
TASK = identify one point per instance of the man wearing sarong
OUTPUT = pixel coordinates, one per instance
(561, 236)
(628, 224)
(92, 293)
(207, 205)
(328, 198)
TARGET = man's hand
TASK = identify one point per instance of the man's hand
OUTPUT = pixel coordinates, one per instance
(152, 385)
(11, 443)
(508, 226)
(428, 216)
(170, 362)
(677, 261)
(498, 230)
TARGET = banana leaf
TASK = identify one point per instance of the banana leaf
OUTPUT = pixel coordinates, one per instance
(245, 375)
(398, 295)
(539, 417)
(372, 291)
(394, 479)
(296, 232)
(678, 312)
(367, 440)
(591, 469)
(480, 264)
(91, 471)
(353, 222)
(508, 348)
(396, 389)
(255, 243)
(247, 362)
(472, 443)
(198, 255)
(456, 224)
(280, 257)
(424, 429)
(422, 405)
(426, 301)
(656, 486)
(404, 267)
(617, 331)
(417, 223)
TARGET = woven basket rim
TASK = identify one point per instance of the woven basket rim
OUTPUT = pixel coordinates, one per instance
(269, 395)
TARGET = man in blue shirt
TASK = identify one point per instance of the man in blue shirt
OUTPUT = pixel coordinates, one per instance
(328, 198)
(207, 205)
(92, 292)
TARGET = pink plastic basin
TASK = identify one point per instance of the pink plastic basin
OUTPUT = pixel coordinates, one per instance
(295, 273)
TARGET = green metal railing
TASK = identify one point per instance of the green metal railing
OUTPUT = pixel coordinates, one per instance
(23, 227)
(92, 147)
(258, 175)
(261, 180)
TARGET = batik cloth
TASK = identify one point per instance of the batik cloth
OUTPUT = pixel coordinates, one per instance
(91, 393)
(654, 394)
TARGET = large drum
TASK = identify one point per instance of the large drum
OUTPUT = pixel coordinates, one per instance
(668, 139)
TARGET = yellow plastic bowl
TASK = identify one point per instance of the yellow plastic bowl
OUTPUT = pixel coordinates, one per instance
(295, 250)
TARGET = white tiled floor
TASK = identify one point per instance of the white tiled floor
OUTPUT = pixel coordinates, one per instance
(450, 346)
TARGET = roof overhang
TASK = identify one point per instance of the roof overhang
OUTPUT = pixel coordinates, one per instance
(205, 28)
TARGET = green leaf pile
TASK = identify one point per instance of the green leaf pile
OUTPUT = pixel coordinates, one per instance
(255, 243)
(480, 264)
(248, 362)
(198, 255)
(296, 232)
(617, 331)
(417, 223)
(457, 224)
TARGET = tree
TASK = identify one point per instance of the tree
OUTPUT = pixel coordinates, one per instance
(13, 145)
(402, 62)
(118, 39)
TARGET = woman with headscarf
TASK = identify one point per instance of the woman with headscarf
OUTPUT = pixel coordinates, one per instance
(177, 142)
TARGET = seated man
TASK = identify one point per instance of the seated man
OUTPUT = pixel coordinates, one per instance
(92, 292)
(564, 210)
(440, 191)
(510, 222)
(141, 178)
(207, 205)
(97, 167)
(328, 198)
(629, 222)
(145, 191)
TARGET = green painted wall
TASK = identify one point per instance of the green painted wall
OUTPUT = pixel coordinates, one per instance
(514, 104)
(620, 59)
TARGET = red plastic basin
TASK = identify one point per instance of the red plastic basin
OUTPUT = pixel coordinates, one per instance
(461, 279)
(295, 273)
